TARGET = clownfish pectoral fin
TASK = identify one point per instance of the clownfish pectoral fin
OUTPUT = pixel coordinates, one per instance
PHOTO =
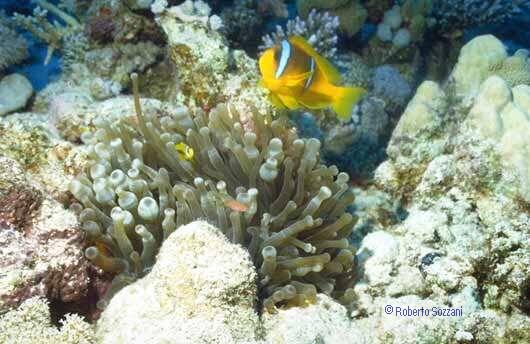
(331, 73)
(345, 99)
(296, 80)
(276, 101)
(289, 102)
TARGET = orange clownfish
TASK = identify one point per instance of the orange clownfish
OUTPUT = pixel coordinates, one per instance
(298, 77)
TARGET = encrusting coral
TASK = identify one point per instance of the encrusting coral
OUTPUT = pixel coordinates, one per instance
(247, 174)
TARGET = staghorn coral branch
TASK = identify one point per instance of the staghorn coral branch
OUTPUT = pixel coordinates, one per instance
(68, 19)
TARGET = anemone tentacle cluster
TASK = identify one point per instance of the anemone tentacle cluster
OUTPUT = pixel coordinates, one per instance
(247, 174)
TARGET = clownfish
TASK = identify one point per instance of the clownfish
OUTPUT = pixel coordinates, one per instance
(298, 77)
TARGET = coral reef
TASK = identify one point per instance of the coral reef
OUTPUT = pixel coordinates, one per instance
(53, 34)
(202, 289)
(515, 70)
(319, 29)
(196, 212)
(31, 323)
(405, 24)
(358, 146)
(501, 114)
(455, 15)
(13, 47)
(41, 246)
(27, 147)
(351, 13)
(464, 238)
(207, 72)
(200, 55)
(114, 64)
(42, 249)
(323, 322)
(275, 7)
(242, 24)
(356, 71)
(392, 87)
(253, 178)
(399, 36)
(188, 12)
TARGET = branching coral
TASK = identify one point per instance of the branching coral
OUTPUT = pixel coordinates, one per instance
(248, 175)
(51, 33)
(320, 30)
(13, 47)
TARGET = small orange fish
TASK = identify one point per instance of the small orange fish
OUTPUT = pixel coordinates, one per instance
(236, 205)
(298, 77)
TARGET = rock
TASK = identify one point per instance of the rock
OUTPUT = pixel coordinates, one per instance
(202, 289)
(15, 91)
(324, 322)
(40, 244)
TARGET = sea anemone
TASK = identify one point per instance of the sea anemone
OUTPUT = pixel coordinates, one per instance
(245, 173)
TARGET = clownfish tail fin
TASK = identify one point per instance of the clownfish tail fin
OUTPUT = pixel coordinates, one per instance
(345, 100)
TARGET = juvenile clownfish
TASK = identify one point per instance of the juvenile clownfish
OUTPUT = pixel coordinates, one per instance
(298, 77)
(184, 151)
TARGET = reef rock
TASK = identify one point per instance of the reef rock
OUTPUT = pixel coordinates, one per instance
(202, 289)
(326, 321)
(460, 166)
(15, 91)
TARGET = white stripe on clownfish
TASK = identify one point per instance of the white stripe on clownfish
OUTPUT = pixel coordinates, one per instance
(284, 58)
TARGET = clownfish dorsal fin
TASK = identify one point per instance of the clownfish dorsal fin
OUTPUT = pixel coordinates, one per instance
(330, 73)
